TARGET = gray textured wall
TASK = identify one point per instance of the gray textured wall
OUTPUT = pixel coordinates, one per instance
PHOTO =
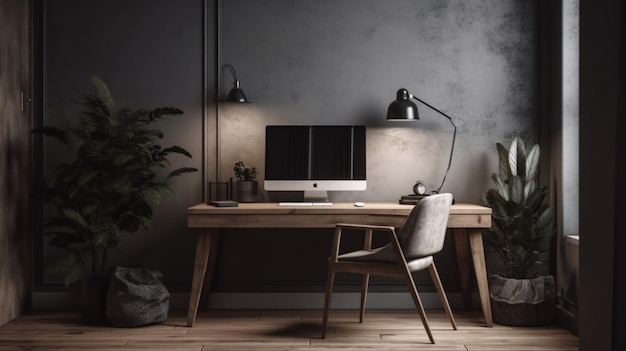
(334, 62)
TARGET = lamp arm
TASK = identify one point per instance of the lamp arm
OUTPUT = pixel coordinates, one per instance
(453, 139)
(231, 69)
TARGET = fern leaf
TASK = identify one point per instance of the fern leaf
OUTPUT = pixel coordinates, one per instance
(103, 92)
(161, 112)
(182, 170)
(75, 216)
(175, 149)
(151, 196)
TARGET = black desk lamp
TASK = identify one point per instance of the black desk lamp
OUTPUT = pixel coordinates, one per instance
(236, 94)
(403, 109)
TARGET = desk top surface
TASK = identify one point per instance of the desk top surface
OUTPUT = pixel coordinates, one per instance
(336, 208)
(270, 215)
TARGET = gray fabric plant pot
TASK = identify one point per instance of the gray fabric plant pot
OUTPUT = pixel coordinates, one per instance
(522, 302)
(137, 297)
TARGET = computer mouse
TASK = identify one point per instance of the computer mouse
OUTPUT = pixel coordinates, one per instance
(359, 204)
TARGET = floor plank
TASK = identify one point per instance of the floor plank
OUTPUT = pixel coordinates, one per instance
(281, 330)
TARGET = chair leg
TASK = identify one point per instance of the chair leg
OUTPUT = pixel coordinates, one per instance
(364, 285)
(416, 299)
(442, 295)
(329, 292)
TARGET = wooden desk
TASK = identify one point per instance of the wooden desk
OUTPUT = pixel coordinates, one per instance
(466, 221)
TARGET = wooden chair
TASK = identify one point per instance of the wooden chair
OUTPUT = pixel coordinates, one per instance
(410, 249)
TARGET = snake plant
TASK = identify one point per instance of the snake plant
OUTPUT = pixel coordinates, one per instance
(522, 221)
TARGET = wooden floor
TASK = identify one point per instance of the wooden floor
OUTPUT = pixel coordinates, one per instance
(280, 331)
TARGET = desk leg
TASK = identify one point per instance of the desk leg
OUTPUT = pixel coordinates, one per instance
(480, 268)
(207, 239)
(463, 260)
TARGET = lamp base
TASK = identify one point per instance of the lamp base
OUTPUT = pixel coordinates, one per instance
(411, 199)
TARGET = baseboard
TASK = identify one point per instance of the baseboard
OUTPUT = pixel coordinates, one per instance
(567, 320)
(279, 300)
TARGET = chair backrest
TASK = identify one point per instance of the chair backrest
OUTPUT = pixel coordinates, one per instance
(423, 232)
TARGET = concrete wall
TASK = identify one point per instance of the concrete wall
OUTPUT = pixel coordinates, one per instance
(334, 62)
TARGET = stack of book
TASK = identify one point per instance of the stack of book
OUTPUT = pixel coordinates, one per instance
(410, 199)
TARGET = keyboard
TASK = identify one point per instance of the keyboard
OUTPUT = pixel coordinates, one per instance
(305, 204)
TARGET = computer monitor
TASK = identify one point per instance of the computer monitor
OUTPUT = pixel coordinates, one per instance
(315, 160)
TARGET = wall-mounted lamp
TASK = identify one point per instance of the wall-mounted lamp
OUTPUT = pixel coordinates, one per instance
(218, 190)
(236, 94)
(403, 109)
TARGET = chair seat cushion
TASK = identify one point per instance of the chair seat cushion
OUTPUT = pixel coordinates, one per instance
(384, 254)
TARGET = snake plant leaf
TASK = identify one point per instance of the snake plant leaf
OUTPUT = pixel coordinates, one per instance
(545, 218)
(536, 198)
(501, 186)
(503, 162)
(517, 157)
(512, 155)
(517, 190)
(532, 164)
(529, 188)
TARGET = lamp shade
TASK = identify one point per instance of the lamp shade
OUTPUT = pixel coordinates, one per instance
(236, 94)
(402, 108)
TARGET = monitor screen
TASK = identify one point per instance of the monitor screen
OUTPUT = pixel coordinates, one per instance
(315, 159)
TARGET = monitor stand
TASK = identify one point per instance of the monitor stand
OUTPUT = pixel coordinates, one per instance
(315, 196)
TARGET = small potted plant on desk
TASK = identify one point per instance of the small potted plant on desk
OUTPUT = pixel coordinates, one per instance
(521, 292)
(246, 186)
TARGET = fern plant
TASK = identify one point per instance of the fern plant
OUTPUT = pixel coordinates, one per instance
(522, 222)
(117, 176)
